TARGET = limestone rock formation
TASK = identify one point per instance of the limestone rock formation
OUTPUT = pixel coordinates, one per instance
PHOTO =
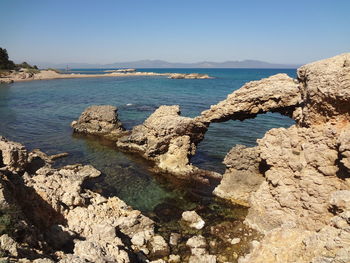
(12, 155)
(54, 217)
(302, 195)
(169, 140)
(325, 88)
(166, 138)
(242, 176)
(278, 93)
(99, 120)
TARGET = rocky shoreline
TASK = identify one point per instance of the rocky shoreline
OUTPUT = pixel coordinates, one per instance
(26, 75)
(295, 182)
(51, 217)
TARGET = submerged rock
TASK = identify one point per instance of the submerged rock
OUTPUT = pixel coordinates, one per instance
(199, 252)
(193, 219)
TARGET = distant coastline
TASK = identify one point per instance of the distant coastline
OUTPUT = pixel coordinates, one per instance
(244, 64)
(26, 75)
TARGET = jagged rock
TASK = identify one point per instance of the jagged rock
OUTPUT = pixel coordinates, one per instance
(330, 244)
(206, 258)
(199, 252)
(169, 140)
(174, 259)
(305, 168)
(344, 149)
(58, 214)
(158, 247)
(62, 188)
(341, 200)
(12, 155)
(99, 120)
(301, 177)
(325, 87)
(153, 137)
(278, 93)
(242, 176)
(198, 245)
(7, 244)
(95, 252)
(193, 219)
(174, 239)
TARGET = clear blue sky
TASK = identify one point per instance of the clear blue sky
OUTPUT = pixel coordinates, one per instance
(106, 31)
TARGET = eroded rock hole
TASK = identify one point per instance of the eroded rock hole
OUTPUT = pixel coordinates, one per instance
(221, 137)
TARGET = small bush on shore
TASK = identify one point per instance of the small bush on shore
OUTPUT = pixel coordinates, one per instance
(6, 64)
(33, 70)
(54, 69)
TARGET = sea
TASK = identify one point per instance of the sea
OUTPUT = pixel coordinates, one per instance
(39, 113)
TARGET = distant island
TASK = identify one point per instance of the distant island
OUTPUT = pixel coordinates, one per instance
(165, 64)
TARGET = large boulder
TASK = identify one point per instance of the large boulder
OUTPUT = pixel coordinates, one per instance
(242, 176)
(325, 87)
(99, 120)
(169, 140)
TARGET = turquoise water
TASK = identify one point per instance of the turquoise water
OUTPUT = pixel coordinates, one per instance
(38, 114)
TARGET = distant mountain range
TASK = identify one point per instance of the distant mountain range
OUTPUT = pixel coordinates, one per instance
(165, 64)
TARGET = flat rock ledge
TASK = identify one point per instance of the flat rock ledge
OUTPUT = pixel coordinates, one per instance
(51, 218)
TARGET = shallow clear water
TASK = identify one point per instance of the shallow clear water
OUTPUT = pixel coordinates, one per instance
(39, 113)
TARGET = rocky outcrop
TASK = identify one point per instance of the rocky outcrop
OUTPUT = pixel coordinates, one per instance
(56, 219)
(295, 181)
(325, 87)
(101, 121)
(278, 93)
(168, 139)
(242, 176)
(300, 174)
(189, 76)
(165, 137)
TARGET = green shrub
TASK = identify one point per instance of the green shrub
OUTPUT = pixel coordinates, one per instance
(32, 70)
(53, 69)
(5, 63)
